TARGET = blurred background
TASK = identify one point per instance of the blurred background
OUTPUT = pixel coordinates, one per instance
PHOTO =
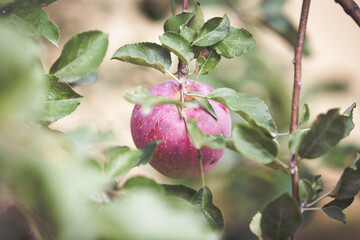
(241, 187)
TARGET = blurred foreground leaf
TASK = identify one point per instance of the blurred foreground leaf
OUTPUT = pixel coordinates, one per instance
(142, 97)
(21, 78)
(122, 159)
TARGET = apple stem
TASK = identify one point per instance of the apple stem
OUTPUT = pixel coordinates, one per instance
(182, 72)
(200, 157)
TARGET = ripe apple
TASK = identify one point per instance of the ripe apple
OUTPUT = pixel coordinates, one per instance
(176, 156)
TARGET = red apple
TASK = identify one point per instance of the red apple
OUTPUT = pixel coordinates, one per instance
(176, 157)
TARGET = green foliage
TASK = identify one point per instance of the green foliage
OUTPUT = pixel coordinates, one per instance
(21, 78)
(199, 139)
(174, 23)
(204, 103)
(280, 218)
(178, 45)
(30, 19)
(121, 158)
(81, 55)
(145, 54)
(180, 191)
(305, 114)
(349, 183)
(255, 225)
(207, 62)
(197, 22)
(213, 31)
(60, 101)
(142, 97)
(236, 43)
(310, 190)
(250, 141)
(249, 107)
(326, 132)
(203, 200)
(334, 208)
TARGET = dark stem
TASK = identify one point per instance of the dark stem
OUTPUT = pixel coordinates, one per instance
(293, 165)
(351, 8)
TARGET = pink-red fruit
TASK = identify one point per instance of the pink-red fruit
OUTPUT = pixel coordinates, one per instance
(176, 156)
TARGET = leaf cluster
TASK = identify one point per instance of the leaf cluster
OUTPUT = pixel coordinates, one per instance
(190, 37)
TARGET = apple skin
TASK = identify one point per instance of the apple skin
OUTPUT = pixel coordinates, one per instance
(176, 157)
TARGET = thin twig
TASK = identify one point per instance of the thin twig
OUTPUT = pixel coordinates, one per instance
(293, 165)
(319, 199)
(351, 9)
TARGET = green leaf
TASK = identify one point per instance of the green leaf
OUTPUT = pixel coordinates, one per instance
(60, 100)
(81, 55)
(202, 200)
(178, 45)
(349, 182)
(120, 160)
(137, 183)
(197, 22)
(348, 116)
(188, 33)
(281, 218)
(31, 20)
(212, 32)
(250, 141)
(145, 54)
(305, 114)
(208, 62)
(255, 225)
(174, 23)
(334, 209)
(236, 43)
(180, 191)
(295, 140)
(310, 190)
(324, 134)
(142, 97)
(204, 103)
(148, 151)
(247, 106)
(317, 185)
(306, 190)
(199, 139)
